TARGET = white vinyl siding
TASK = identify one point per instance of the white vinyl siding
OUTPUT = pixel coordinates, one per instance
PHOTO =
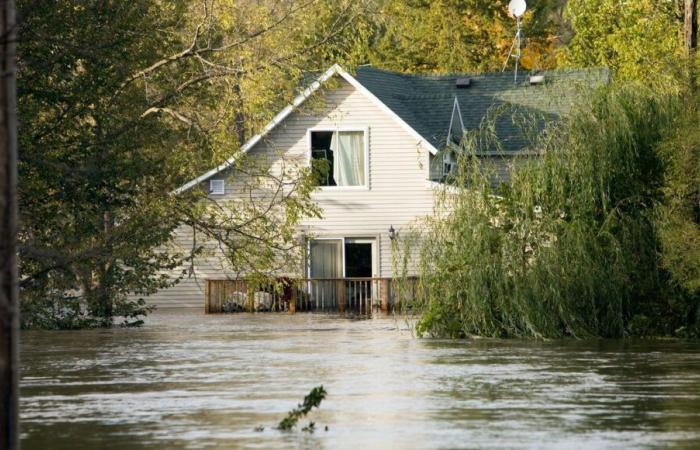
(398, 189)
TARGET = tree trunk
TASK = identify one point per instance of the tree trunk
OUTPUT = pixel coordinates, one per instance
(238, 114)
(9, 314)
(690, 36)
(691, 25)
(104, 295)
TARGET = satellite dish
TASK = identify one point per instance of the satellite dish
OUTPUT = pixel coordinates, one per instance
(517, 8)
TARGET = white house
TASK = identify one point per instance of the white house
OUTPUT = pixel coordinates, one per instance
(383, 133)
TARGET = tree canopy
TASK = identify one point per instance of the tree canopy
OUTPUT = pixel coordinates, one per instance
(640, 40)
(461, 35)
(122, 102)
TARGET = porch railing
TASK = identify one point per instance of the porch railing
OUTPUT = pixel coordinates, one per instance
(361, 296)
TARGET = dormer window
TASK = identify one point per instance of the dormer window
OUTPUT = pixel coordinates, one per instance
(449, 163)
(217, 187)
(454, 133)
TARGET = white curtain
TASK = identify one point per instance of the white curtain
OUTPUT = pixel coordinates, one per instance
(348, 149)
(326, 263)
(326, 258)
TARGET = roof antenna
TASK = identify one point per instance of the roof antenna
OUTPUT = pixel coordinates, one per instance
(516, 8)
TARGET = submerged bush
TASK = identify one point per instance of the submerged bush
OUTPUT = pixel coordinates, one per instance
(311, 401)
(569, 246)
(59, 311)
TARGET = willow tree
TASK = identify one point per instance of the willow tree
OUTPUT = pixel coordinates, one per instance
(569, 246)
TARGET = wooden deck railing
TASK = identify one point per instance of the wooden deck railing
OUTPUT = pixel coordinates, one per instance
(360, 296)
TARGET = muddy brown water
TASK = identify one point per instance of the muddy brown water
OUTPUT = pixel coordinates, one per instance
(190, 381)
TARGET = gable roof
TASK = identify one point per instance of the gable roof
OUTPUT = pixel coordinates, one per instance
(423, 104)
(426, 102)
(287, 110)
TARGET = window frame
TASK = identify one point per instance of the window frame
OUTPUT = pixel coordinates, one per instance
(309, 156)
(223, 186)
(327, 238)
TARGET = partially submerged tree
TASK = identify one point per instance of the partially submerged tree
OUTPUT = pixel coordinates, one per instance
(600, 235)
(252, 232)
(569, 247)
(121, 103)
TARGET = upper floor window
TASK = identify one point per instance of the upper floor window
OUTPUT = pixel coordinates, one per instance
(340, 157)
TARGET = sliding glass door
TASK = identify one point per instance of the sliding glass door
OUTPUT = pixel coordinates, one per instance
(326, 258)
(355, 260)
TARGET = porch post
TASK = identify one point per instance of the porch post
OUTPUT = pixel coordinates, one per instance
(293, 300)
(341, 297)
(385, 295)
(251, 300)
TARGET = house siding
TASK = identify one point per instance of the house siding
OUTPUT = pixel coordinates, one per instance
(397, 195)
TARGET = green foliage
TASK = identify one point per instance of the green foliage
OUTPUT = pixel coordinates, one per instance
(121, 103)
(54, 310)
(638, 41)
(93, 175)
(679, 220)
(312, 400)
(569, 247)
(680, 214)
(460, 35)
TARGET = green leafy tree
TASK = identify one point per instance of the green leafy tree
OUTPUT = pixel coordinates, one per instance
(569, 247)
(94, 161)
(122, 102)
(679, 217)
(637, 40)
(461, 35)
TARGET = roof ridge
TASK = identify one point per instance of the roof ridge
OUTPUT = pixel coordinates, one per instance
(449, 75)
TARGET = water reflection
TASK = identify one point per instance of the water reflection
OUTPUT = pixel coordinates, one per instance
(191, 381)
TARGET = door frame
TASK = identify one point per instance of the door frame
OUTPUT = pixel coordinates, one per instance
(363, 240)
(374, 240)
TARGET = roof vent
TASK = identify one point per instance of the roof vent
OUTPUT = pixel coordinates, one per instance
(537, 79)
(463, 83)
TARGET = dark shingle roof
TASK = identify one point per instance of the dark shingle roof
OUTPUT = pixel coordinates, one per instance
(425, 102)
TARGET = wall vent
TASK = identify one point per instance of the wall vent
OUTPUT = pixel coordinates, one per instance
(217, 187)
(463, 83)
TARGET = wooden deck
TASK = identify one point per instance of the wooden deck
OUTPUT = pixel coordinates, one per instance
(358, 296)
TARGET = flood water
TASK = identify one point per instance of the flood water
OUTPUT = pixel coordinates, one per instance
(186, 380)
